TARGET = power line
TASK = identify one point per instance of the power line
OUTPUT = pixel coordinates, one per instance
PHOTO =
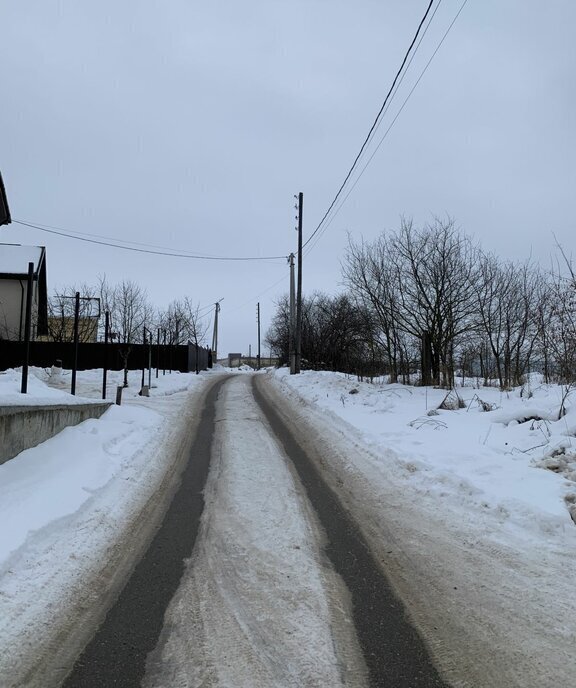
(343, 201)
(102, 236)
(406, 68)
(172, 254)
(375, 123)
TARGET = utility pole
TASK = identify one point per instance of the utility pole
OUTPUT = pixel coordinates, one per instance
(215, 333)
(292, 322)
(258, 316)
(299, 291)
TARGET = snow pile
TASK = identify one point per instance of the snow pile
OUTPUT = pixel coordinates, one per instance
(39, 393)
(488, 460)
(69, 499)
(56, 478)
(474, 530)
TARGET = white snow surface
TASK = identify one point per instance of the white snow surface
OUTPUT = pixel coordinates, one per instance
(476, 510)
(492, 460)
(41, 394)
(14, 258)
(66, 500)
(471, 507)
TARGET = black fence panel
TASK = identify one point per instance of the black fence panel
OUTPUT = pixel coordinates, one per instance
(100, 355)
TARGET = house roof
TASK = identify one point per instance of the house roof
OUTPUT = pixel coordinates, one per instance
(14, 259)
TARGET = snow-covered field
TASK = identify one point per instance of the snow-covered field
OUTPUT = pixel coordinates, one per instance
(493, 448)
(471, 508)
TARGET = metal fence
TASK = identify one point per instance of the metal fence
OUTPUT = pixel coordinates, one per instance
(184, 358)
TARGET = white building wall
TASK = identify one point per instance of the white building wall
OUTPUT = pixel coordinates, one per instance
(13, 309)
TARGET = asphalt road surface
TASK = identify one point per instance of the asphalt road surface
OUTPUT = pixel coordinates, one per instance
(141, 624)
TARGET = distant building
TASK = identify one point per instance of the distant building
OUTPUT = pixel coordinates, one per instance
(14, 260)
(234, 360)
(237, 360)
(61, 329)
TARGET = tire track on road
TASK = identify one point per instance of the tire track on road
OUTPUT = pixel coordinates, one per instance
(116, 656)
(393, 650)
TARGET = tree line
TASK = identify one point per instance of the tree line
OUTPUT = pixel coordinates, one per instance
(132, 317)
(430, 300)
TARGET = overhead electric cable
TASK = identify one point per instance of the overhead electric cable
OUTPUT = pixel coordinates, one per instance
(143, 250)
(375, 123)
(325, 227)
(101, 237)
(405, 70)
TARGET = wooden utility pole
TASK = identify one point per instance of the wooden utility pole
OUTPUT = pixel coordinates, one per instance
(215, 333)
(299, 291)
(258, 316)
(292, 319)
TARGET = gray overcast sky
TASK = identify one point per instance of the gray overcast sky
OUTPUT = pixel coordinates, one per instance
(191, 125)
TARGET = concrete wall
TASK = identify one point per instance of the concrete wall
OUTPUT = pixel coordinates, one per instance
(22, 427)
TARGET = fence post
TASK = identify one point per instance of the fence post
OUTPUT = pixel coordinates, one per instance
(75, 365)
(27, 327)
(104, 375)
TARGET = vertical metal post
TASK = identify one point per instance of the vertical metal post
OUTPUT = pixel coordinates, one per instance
(157, 352)
(258, 365)
(164, 352)
(27, 328)
(75, 363)
(299, 292)
(143, 357)
(292, 325)
(149, 360)
(105, 373)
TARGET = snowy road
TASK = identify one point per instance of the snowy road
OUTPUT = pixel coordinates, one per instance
(277, 592)
(283, 588)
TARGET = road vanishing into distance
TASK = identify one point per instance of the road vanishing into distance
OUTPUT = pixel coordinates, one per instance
(256, 574)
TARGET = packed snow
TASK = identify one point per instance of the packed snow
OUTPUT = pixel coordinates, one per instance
(256, 605)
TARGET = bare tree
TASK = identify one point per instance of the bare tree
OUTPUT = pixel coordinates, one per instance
(335, 333)
(506, 303)
(184, 323)
(437, 272)
(372, 278)
(560, 334)
(130, 311)
(61, 313)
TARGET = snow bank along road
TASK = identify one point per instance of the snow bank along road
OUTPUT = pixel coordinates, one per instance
(280, 589)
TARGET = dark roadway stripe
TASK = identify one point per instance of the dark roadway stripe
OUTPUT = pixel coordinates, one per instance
(116, 656)
(393, 651)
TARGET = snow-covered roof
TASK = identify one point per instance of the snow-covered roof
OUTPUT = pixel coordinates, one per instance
(14, 258)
